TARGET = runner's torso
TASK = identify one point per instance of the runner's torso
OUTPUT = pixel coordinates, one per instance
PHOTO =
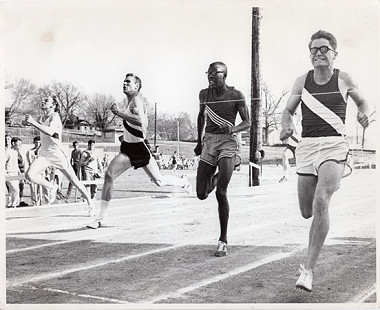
(220, 110)
(49, 144)
(323, 107)
(134, 133)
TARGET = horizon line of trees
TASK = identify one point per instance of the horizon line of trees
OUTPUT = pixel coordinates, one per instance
(76, 107)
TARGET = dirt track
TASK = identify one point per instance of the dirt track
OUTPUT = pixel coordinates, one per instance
(158, 249)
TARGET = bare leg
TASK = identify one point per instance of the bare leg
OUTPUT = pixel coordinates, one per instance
(206, 179)
(329, 176)
(71, 176)
(154, 173)
(226, 167)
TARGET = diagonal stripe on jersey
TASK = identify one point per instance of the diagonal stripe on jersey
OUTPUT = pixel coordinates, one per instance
(216, 118)
(325, 113)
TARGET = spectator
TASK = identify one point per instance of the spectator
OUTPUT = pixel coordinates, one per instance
(74, 161)
(16, 145)
(11, 170)
(91, 166)
(31, 155)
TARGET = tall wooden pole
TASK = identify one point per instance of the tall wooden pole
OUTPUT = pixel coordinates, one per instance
(155, 123)
(255, 131)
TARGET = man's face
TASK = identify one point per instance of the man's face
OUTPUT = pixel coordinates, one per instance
(320, 60)
(91, 146)
(75, 145)
(215, 76)
(47, 104)
(8, 140)
(17, 145)
(130, 85)
(37, 143)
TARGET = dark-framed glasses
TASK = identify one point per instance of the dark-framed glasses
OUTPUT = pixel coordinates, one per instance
(323, 49)
(213, 73)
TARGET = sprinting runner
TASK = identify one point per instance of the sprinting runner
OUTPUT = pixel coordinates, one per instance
(51, 153)
(218, 144)
(133, 150)
(322, 151)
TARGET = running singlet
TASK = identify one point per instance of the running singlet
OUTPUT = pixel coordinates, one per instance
(134, 133)
(222, 110)
(50, 144)
(323, 107)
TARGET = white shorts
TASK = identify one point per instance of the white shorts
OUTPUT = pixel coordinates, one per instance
(311, 153)
(57, 159)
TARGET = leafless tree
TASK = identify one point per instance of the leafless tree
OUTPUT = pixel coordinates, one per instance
(22, 92)
(97, 111)
(270, 106)
(70, 100)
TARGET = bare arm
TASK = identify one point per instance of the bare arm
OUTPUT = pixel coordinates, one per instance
(244, 115)
(53, 130)
(291, 106)
(356, 96)
(134, 114)
(201, 122)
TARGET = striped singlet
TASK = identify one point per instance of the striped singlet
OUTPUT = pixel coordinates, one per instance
(323, 107)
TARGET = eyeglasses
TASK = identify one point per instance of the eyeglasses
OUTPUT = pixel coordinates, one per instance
(213, 73)
(323, 49)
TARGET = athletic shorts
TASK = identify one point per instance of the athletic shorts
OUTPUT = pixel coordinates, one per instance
(57, 159)
(311, 153)
(217, 146)
(292, 149)
(138, 153)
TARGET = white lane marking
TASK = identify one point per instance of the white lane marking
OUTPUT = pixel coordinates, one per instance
(363, 296)
(148, 225)
(52, 275)
(220, 277)
(106, 299)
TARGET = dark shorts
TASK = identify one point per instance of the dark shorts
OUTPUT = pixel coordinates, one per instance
(292, 149)
(138, 153)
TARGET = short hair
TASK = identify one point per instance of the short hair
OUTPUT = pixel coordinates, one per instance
(321, 34)
(137, 79)
(35, 139)
(222, 64)
(15, 139)
(91, 142)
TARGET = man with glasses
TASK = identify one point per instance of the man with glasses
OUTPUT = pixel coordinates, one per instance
(322, 152)
(218, 144)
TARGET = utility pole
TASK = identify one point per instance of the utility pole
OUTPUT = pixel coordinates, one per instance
(155, 123)
(255, 130)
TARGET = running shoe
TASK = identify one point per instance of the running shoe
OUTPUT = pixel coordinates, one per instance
(283, 179)
(221, 249)
(53, 193)
(305, 279)
(187, 187)
(94, 225)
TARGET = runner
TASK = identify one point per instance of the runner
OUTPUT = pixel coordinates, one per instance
(322, 151)
(133, 150)
(218, 145)
(51, 153)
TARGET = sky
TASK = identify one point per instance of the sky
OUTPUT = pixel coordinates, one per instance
(170, 43)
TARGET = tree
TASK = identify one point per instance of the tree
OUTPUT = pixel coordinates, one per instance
(269, 110)
(98, 111)
(70, 100)
(22, 93)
